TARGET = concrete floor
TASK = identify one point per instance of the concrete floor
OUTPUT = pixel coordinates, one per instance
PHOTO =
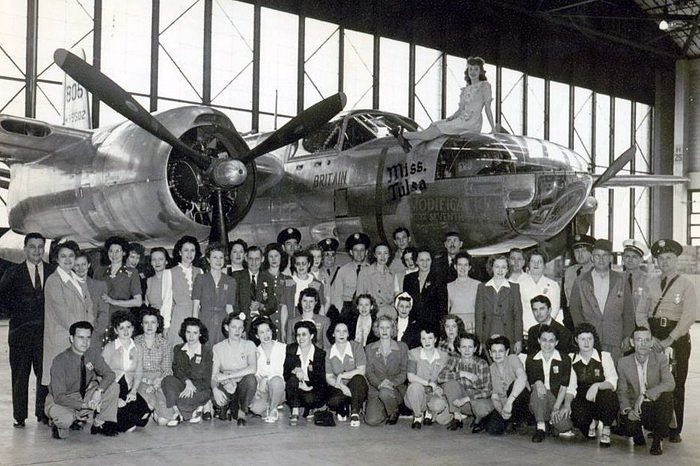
(216, 442)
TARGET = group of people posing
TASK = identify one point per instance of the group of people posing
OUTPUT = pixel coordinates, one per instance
(188, 339)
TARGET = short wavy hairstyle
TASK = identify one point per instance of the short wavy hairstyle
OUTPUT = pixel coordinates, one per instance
(385, 318)
(177, 249)
(194, 322)
(152, 311)
(257, 322)
(309, 292)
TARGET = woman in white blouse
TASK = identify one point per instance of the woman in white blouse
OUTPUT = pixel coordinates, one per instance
(270, 371)
(535, 283)
(125, 358)
(159, 287)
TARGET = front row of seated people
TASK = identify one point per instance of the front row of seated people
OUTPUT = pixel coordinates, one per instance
(446, 378)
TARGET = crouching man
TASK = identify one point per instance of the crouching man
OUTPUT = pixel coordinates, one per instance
(645, 390)
(82, 388)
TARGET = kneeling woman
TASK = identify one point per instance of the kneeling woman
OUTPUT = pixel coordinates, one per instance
(510, 394)
(125, 358)
(157, 363)
(305, 371)
(345, 373)
(591, 393)
(188, 389)
(386, 373)
(270, 371)
(466, 381)
(233, 371)
(424, 365)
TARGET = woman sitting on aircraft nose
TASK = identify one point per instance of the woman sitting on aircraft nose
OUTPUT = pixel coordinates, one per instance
(474, 97)
(123, 282)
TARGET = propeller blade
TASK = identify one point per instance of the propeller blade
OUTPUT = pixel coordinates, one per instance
(218, 232)
(113, 95)
(615, 167)
(301, 125)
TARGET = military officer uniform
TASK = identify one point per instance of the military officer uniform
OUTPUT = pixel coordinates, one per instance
(572, 273)
(669, 308)
(635, 279)
(284, 236)
(345, 283)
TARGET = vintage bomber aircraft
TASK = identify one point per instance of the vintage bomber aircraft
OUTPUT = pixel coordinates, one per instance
(157, 177)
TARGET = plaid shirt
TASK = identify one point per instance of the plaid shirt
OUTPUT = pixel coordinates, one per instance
(158, 358)
(479, 389)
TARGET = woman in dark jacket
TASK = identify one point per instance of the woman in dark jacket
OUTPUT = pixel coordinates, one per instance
(304, 371)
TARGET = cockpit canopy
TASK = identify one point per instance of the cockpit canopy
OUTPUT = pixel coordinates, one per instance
(351, 129)
(501, 154)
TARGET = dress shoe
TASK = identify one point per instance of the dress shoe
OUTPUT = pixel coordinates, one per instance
(393, 419)
(18, 424)
(639, 440)
(104, 429)
(43, 419)
(241, 422)
(77, 425)
(206, 416)
(55, 433)
(428, 420)
(675, 437)
(656, 448)
(539, 436)
(417, 423)
(454, 425)
(478, 427)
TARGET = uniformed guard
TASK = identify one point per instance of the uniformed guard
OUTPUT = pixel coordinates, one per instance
(633, 254)
(329, 247)
(345, 284)
(582, 247)
(669, 308)
(290, 239)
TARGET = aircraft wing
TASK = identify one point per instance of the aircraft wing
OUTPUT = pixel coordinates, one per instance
(23, 140)
(641, 180)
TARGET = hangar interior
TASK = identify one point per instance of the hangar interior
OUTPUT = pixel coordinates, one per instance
(595, 76)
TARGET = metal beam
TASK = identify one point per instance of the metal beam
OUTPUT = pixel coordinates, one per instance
(96, 57)
(443, 86)
(206, 58)
(573, 5)
(301, 52)
(155, 40)
(580, 28)
(412, 80)
(375, 73)
(341, 58)
(30, 71)
(255, 109)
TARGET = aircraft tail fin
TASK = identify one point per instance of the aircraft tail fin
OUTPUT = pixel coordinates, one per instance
(76, 102)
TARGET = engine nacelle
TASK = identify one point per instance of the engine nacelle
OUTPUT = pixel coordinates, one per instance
(113, 181)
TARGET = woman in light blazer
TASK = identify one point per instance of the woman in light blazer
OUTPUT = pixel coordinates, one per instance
(66, 301)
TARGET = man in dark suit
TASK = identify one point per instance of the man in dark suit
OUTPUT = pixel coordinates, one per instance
(648, 404)
(542, 310)
(22, 292)
(249, 287)
(444, 265)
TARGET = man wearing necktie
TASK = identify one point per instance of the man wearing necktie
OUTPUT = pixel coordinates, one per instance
(345, 284)
(22, 294)
(632, 257)
(668, 307)
(444, 265)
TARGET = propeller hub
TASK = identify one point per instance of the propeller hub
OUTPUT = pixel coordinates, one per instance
(229, 173)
